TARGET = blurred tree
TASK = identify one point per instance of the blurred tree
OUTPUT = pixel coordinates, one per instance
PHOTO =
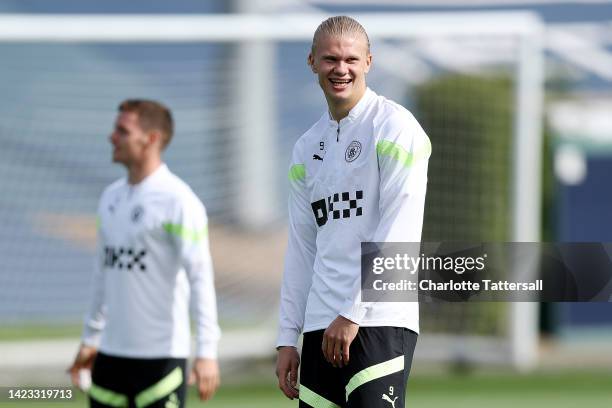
(470, 122)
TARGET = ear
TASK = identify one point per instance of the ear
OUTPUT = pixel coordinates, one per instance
(311, 63)
(155, 138)
(368, 63)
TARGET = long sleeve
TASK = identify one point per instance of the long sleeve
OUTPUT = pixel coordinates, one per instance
(403, 157)
(95, 319)
(299, 259)
(190, 229)
(403, 152)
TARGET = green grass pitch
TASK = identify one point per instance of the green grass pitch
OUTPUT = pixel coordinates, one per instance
(591, 389)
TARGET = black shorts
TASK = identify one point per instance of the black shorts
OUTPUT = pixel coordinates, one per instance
(376, 376)
(138, 383)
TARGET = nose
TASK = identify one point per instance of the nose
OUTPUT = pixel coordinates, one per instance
(341, 68)
(112, 138)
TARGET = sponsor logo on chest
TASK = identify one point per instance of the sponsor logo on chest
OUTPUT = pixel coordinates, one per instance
(339, 205)
(125, 258)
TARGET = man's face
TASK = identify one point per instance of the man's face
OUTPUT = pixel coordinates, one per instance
(130, 142)
(341, 64)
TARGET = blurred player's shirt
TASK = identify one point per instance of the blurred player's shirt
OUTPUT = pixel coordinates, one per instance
(153, 258)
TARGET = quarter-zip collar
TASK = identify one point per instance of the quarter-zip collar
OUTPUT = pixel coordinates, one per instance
(357, 110)
(157, 173)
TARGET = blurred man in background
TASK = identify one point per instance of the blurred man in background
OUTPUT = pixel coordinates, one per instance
(359, 174)
(153, 257)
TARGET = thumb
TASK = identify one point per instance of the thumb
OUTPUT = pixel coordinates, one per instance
(192, 378)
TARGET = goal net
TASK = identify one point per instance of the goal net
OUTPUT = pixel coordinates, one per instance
(242, 94)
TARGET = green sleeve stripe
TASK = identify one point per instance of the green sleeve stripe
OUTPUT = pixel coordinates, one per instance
(108, 397)
(297, 172)
(160, 389)
(398, 153)
(315, 400)
(374, 372)
(185, 233)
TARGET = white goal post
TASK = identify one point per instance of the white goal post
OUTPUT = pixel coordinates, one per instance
(256, 149)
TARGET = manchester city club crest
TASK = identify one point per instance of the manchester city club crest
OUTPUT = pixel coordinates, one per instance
(137, 213)
(352, 151)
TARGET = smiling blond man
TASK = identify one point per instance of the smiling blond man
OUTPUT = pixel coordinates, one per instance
(358, 174)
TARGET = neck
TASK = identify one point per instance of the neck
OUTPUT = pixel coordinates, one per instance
(140, 171)
(339, 111)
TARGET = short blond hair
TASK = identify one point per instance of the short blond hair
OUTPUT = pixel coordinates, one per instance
(339, 26)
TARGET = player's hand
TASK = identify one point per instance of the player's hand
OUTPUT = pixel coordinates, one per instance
(205, 375)
(337, 340)
(287, 363)
(83, 361)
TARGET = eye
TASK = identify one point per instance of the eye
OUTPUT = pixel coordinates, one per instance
(122, 132)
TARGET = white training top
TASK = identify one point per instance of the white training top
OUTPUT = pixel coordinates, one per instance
(153, 256)
(360, 180)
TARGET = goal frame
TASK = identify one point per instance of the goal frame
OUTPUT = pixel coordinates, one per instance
(258, 30)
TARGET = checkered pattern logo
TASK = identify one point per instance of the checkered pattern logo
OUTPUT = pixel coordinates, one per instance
(124, 258)
(339, 205)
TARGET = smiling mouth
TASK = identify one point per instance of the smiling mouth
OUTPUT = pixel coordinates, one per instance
(340, 83)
